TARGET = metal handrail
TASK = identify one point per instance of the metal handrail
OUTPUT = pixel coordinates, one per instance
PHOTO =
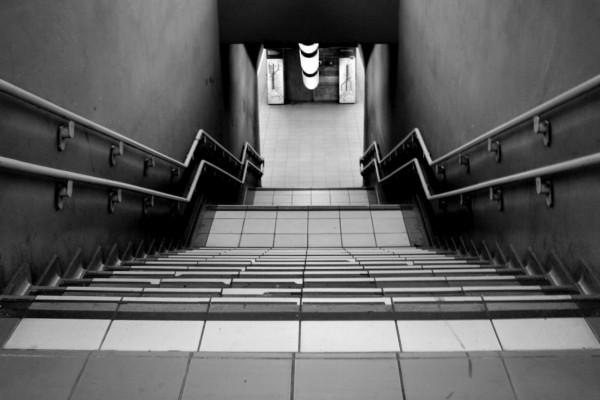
(20, 166)
(549, 170)
(245, 150)
(46, 105)
(562, 98)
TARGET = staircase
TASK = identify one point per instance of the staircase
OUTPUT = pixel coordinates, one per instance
(299, 293)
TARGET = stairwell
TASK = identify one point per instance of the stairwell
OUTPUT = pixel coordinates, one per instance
(303, 294)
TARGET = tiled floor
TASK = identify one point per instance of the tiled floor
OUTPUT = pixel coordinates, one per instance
(348, 228)
(320, 197)
(64, 375)
(312, 145)
(304, 336)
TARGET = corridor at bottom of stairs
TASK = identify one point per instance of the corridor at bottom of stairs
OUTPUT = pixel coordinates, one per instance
(260, 309)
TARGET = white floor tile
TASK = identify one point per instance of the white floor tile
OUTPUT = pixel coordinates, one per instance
(451, 335)
(349, 336)
(251, 336)
(392, 239)
(259, 226)
(227, 225)
(256, 240)
(223, 240)
(291, 226)
(142, 335)
(545, 334)
(390, 225)
(358, 239)
(58, 334)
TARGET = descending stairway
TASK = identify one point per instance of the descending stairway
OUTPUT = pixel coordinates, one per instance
(301, 302)
(301, 263)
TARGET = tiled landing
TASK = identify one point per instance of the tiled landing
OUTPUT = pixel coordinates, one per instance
(308, 227)
(370, 336)
(315, 197)
(62, 375)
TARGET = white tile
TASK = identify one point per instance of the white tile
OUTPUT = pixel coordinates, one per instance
(451, 335)
(545, 334)
(392, 239)
(349, 336)
(292, 214)
(140, 335)
(358, 239)
(230, 214)
(291, 226)
(324, 226)
(362, 214)
(58, 334)
(251, 336)
(291, 240)
(318, 214)
(389, 225)
(259, 226)
(260, 214)
(356, 225)
(223, 240)
(324, 240)
(256, 240)
(227, 225)
(385, 214)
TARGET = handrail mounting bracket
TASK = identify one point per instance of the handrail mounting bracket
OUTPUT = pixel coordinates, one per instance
(114, 196)
(148, 203)
(115, 151)
(544, 187)
(464, 160)
(494, 147)
(63, 191)
(148, 163)
(65, 133)
(542, 128)
(497, 196)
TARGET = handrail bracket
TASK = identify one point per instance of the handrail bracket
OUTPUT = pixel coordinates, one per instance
(115, 151)
(542, 128)
(114, 196)
(65, 133)
(63, 191)
(544, 187)
(494, 147)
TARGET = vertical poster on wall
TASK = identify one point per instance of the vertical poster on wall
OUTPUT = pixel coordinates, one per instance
(347, 76)
(275, 91)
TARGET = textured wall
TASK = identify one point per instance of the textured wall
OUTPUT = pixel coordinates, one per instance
(466, 66)
(240, 92)
(380, 94)
(149, 69)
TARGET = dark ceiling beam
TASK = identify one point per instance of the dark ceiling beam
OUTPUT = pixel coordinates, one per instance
(281, 22)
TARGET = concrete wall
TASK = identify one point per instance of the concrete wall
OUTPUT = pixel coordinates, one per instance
(324, 21)
(466, 66)
(240, 92)
(380, 93)
(149, 69)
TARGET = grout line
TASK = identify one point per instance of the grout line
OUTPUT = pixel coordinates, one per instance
(512, 386)
(402, 388)
(293, 378)
(105, 334)
(300, 327)
(494, 328)
(396, 324)
(185, 375)
(79, 375)
(203, 328)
